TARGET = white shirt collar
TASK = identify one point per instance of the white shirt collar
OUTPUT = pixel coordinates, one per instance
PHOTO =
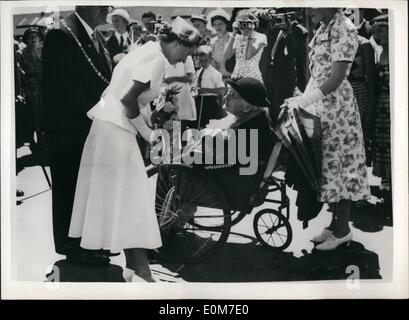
(89, 30)
(124, 35)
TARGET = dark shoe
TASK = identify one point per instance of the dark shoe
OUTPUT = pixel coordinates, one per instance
(108, 253)
(88, 258)
(71, 248)
(19, 193)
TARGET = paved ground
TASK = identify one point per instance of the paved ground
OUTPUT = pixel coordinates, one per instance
(241, 259)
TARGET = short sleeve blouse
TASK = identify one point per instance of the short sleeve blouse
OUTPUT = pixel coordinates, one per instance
(145, 64)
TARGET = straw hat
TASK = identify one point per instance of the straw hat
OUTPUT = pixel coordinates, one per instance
(121, 13)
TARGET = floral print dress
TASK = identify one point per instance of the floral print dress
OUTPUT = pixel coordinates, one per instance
(247, 67)
(344, 174)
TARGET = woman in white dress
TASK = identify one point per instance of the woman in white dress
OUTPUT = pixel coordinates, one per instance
(114, 205)
(181, 75)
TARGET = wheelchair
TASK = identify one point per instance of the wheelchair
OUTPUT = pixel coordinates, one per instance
(196, 208)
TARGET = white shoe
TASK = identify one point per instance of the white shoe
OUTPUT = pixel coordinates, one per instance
(130, 276)
(136, 278)
(333, 242)
(323, 236)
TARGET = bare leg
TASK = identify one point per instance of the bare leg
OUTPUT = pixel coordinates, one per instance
(137, 260)
(342, 223)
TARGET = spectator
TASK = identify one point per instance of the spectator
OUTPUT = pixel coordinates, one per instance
(283, 61)
(380, 117)
(247, 47)
(220, 22)
(148, 20)
(181, 74)
(209, 86)
(120, 41)
(200, 23)
(30, 63)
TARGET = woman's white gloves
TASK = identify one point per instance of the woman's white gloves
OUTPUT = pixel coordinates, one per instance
(147, 133)
(307, 99)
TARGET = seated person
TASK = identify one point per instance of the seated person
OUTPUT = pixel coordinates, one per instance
(245, 103)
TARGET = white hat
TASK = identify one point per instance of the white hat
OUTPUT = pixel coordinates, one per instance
(184, 30)
(218, 12)
(119, 12)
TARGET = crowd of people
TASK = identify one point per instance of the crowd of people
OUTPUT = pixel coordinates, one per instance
(82, 96)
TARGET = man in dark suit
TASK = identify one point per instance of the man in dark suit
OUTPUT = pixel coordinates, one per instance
(283, 62)
(119, 41)
(76, 70)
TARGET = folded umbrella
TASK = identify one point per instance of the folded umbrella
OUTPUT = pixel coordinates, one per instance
(300, 133)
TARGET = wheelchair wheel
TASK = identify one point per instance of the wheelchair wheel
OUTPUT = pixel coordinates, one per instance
(236, 217)
(272, 229)
(188, 204)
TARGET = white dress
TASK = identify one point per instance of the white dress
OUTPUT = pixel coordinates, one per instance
(114, 204)
(187, 109)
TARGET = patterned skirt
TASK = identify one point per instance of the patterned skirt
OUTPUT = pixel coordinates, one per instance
(361, 95)
(382, 137)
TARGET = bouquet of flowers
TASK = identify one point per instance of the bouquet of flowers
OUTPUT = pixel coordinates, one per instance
(166, 107)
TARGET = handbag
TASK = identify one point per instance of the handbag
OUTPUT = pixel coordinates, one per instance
(230, 63)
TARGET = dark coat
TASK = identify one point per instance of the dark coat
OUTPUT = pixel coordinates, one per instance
(238, 188)
(70, 85)
(289, 68)
(114, 47)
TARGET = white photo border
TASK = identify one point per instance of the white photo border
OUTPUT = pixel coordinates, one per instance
(397, 288)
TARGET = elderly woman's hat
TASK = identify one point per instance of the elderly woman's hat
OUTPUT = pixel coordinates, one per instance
(251, 90)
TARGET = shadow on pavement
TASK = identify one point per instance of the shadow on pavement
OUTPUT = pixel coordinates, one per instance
(372, 218)
(238, 262)
(64, 271)
(244, 262)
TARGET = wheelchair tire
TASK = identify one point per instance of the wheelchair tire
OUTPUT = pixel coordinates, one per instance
(270, 225)
(236, 217)
(183, 195)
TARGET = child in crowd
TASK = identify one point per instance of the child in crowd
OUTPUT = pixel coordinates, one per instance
(210, 87)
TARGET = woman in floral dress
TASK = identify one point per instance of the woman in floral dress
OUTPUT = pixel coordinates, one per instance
(247, 47)
(329, 95)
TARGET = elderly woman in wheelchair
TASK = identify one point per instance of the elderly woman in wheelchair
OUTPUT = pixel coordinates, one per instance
(197, 203)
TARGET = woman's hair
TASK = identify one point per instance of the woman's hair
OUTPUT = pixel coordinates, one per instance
(381, 20)
(204, 51)
(134, 23)
(149, 14)
(187, 37)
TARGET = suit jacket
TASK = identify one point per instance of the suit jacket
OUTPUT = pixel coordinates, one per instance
(113, 46)
(289, 68)
(70, 85)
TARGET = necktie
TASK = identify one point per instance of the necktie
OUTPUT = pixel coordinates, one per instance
(95, 41)
(121, 43)
(199, 78)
